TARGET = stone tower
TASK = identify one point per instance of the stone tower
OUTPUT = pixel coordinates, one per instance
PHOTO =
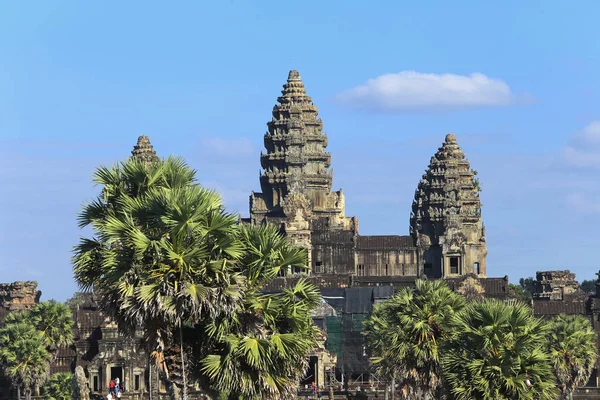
(144, 151)
(296, 178)
(445, 221)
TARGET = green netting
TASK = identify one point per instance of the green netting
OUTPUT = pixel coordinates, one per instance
(334, 335)
(357, 322)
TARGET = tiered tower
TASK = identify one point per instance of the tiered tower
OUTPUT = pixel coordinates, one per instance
(445, 222)
(144, 151)
(296, 178)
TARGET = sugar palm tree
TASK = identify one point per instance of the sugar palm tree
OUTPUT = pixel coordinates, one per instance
(163, 254)
(23, 356)
(404, 335)
(58, 387)
(261, 353)
(573, 352)
(498, 354)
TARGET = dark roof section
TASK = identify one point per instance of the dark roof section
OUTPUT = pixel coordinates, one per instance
(391, 242)
(493, 287)
(543, 308)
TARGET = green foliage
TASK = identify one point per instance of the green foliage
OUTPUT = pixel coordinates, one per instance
(518, 292)
(77, 300)
(52, 319)
(528, 285)
(30, 339)
(477, 184)
(260, 353)
(498, 349)
(167, 255)
(404, 335)
(23, 356)
(58, 387)
(573, 352)
(524, 290)
(588, 286)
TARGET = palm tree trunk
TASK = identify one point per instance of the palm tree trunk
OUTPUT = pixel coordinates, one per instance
(19, 392)
(149, 372)
(183, 377)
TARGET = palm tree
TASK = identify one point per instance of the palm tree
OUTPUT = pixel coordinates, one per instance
(55, 321)
(573, 352)
(261, 353)
(405, 333)
(58, 387)
(52, 319)
(498, 354)
(23, 356)
(163, 255)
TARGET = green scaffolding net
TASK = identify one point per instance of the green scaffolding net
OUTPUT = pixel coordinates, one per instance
(334, 335)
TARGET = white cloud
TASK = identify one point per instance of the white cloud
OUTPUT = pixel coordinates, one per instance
(411, 90)
(227, 147)
(583, 149)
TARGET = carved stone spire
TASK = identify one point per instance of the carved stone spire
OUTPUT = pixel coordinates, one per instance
(144, 151)
(295, 144)
(296, 178)
(446, 221)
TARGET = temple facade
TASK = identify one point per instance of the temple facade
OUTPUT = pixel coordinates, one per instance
(446, 239)
(447, 236)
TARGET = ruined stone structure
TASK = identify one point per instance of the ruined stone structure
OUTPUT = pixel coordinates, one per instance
(447, 233)
(555, 285)
(18, 296)
(557, 292)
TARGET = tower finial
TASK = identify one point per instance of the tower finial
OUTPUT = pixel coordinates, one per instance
(143, 151)
(294, 76)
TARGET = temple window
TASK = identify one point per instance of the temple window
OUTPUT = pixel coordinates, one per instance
(386, 270)
(318, 266)
(136, 383)
(361, 270)
(95, 385)
(476, 268)
(454, 262)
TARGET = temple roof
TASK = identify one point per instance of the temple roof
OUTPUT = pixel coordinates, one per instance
(144, 151)
(387, 242)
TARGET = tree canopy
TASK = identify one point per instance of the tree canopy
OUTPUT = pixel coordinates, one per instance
(404, 335)
(168, 258)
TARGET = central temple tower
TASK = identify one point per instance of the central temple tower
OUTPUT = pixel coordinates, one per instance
(296, 177)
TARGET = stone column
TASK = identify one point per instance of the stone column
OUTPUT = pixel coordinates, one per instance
(107, 378)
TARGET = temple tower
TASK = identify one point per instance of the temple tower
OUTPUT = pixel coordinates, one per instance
(445, 221)
(296, 177)
(144, 151)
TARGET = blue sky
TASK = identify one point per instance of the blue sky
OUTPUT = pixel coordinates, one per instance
(517, 82)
